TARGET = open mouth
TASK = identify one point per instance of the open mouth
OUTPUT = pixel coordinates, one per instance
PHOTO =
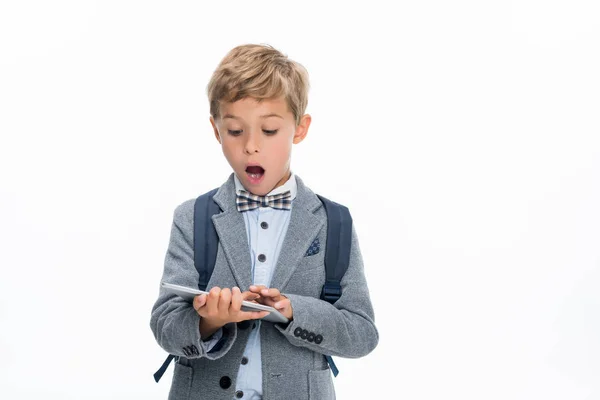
(255, 172)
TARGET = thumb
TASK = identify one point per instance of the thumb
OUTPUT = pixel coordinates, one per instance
(199, 301)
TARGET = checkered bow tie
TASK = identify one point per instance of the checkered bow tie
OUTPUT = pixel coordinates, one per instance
(247, 201)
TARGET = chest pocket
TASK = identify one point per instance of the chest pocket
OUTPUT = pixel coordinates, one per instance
(308, 278)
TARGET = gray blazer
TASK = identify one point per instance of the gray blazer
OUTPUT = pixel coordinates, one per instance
(293, 367)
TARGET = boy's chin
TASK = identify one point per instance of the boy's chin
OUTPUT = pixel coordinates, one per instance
(261, 190)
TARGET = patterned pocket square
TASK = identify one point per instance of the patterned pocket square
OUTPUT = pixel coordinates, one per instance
(313, 249)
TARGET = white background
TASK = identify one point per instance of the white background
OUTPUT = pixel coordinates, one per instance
(463, 135)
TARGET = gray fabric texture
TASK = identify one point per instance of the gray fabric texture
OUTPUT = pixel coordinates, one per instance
(293, 367)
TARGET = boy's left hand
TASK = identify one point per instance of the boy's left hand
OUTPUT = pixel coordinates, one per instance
(272, 297)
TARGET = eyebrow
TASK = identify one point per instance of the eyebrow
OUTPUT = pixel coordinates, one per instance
(271, 115)
(262, 116)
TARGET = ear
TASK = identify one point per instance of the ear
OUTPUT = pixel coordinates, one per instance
(214, 125)
(302, 128)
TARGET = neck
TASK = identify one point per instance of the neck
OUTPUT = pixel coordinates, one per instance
(283, 180)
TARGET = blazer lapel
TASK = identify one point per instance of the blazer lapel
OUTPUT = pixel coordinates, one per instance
(230, 227)
(303, 228)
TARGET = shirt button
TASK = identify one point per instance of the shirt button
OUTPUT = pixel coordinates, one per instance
(244, 360)
(262, 258)
(239, 394)
(264, 225)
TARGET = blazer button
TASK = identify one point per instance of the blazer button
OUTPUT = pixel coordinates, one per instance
(318, 339)
(239, 394)
(264, 225)
(304, 334)
(225, 382)
(244, 360)
(297, 331)
(262, 258)
(311, 337)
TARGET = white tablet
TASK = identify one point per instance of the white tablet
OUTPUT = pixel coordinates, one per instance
(189, 294)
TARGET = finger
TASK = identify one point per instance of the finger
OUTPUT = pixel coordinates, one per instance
(199, 301)
(272, 292)
(212, 302)
(257, 288)
(259, 314)
(236, 300)
(267, 301)
(249, 296)
(285, 308)
(244, 315)
(224, 301)
(282, 304)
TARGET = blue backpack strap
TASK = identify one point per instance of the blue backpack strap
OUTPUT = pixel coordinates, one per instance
(205, 250)
(337, 255)
(161, 371)
(205, 237)
(337, 251)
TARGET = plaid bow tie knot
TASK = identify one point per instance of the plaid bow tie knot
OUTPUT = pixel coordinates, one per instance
(247, 201)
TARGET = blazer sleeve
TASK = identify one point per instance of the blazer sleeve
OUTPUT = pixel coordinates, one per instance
(174, 322)
(344, 329)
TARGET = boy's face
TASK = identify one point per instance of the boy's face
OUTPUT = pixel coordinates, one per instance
(257, 139)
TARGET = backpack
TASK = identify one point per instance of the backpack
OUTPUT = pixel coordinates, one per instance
(337, 252)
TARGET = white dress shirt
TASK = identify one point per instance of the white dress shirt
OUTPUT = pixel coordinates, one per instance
(266, 228)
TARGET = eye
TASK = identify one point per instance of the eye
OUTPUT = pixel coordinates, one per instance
(237, 132)
(270, 132)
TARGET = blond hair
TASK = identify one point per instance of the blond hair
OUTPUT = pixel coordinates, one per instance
(260, 72)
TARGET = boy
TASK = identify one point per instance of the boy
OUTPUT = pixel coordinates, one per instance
(271, 254)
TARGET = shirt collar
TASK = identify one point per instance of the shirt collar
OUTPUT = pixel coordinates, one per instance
(290, 185)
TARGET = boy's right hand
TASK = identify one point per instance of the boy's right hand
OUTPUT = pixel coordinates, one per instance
(222, 306)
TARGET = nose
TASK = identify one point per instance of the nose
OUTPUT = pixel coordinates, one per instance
(252, 143)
